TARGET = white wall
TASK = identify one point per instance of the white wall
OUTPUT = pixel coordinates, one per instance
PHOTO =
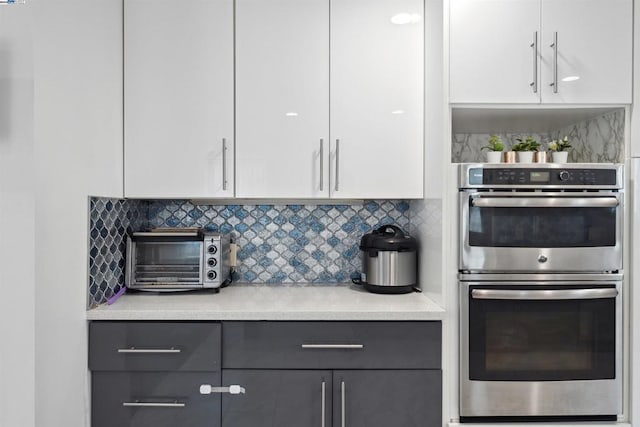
(16, 219)
(78, 152)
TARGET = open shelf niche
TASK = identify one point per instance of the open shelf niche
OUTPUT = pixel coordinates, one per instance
(596, 134)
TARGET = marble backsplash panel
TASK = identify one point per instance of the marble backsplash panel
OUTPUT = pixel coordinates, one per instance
(288, 243)
(109, 222)
(597, 140)
(277, 243)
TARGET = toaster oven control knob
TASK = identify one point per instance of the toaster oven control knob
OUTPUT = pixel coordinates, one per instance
(211, 275)
(212, 249)
(542, 259)
(212, 262)
(564, 175)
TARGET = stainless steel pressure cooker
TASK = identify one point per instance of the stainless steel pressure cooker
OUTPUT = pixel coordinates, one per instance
(389, 261)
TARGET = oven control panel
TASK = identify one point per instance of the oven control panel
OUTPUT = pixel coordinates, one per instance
(534, 176)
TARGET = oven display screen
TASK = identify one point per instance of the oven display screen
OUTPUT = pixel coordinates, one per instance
(539, 176)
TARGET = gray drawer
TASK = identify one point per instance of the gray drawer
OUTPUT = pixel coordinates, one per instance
(154, 346)
(154, 399)
(331, 345)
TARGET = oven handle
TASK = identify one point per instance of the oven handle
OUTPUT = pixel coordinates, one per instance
(545, 202)
(555, 294)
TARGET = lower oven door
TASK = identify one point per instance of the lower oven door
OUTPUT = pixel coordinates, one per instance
(540, 349)
(541, 232)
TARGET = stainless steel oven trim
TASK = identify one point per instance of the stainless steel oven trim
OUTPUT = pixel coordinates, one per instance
(475, 259)
(463, 177)
(543, 200)
(545, 398)
(544, 294)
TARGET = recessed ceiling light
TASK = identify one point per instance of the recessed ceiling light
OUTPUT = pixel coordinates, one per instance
(291, 114)
(397, 112)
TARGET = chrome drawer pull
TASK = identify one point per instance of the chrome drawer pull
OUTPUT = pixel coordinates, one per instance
(554, 45)
(321, 164)
(333, 346)
(232, 389)
(534, 45)
(343, 401)
(224, 164)
(324, 404)
(133, 350)
(337, 164)
(137, 404)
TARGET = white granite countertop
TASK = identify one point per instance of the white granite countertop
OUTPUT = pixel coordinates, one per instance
(271, 302)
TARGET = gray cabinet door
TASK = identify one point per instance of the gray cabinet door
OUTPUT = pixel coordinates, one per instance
(154, 399)
(398, 398)
(277, 398)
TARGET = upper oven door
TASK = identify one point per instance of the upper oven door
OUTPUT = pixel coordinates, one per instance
(541, 231)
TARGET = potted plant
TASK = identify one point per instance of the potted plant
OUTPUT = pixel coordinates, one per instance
(558, 148)
(525, 149)
(495, 147)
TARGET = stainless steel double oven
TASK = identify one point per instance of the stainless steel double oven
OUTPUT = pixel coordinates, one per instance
(540, 292)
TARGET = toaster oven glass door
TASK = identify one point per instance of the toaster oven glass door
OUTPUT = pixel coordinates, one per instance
(168, 262)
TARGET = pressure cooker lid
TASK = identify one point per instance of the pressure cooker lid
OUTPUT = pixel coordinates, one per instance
(388, 238)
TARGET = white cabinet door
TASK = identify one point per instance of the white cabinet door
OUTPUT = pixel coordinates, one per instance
(178, 84)
(377, 98)
(492, 51)
(594, 51)
(282, 98)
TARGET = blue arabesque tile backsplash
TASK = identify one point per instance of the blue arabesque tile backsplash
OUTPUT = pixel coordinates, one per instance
(277, 243)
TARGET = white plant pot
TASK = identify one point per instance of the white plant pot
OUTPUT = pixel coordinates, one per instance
(560, 157)
(525, 156)
(494, 156)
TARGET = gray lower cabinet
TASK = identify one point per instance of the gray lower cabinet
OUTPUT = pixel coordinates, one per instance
(154, 399)
(148, 374)
(383, 398)
(278, 398)
(375, 374)
(295, 374)
(352, 398)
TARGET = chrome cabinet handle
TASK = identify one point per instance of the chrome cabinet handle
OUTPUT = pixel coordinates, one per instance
(554, 45)
(224, 164)
(337, 164)
(542, 202)
(154, 404)
(321, 164)
(343, 401)
(333, 346)
(133, 350)
(556, 294)
(232, 389)
(324, 404)
(534, 45)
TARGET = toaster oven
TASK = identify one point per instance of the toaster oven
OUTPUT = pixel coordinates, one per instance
(173, 261)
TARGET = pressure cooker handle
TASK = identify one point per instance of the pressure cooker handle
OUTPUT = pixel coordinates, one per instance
(396, 231)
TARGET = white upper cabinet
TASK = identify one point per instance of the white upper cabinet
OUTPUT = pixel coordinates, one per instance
(282, 98)
(377, 97)
(594, 51)
(178, 96)
(505, 51)
(493, 51)
(301, 62)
